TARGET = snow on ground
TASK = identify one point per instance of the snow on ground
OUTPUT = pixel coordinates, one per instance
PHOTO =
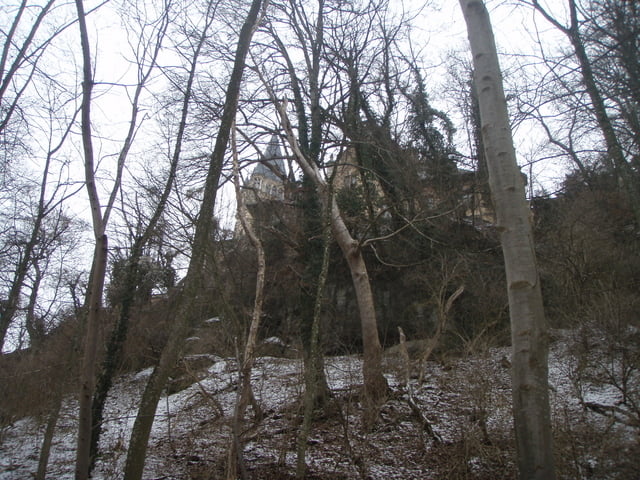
(466, 401)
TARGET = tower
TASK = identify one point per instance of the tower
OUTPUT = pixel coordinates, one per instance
(263, 192)
(267, 179)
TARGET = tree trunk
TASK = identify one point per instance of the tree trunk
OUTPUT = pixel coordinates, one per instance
(375, 385)
(98, 268)
(315, 379)
(188, 311)
(614, 150)
(87, 382)
(311, 248)
(245, 393)
(119, 333)
(9, 307)
(313, 251)
(33, 322)
(45, 450)
(528, 327)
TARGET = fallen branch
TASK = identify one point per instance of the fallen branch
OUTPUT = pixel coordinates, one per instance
(415, 409)
(614, 412)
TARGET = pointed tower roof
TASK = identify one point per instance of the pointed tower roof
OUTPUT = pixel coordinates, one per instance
(272, 157)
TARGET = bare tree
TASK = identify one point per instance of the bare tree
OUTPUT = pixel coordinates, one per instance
(347, 89)
(613, 35)
(375, 385)
(187, 310)
(47, 203)
(98, 268)
(308, 32)
(26, 57)
(531, 410)
(615, 156)
(100, 219)
(20, 67)
(149, 49)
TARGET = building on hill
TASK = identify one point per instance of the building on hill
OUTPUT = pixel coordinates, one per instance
(476, 205)
(265, 186)
(466, 199)
(267, 179)
(265, 192)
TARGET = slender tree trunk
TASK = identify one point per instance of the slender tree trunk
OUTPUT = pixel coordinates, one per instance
(87, 383)
(614, 150)
(98, 268)
(34, 323)
(245, 393)
(188, 311)
(22, 57)
(45, 450)
(111, 359)
(312, 277)
(531, 410)
(119, 333)
(315, 380)
(615, 154)
(9, 307)
(311, 249)
(55, 402)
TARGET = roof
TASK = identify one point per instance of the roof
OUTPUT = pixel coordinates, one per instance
(272, 157)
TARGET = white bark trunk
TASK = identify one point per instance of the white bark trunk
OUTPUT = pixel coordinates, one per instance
(234, 458)
(528, 327)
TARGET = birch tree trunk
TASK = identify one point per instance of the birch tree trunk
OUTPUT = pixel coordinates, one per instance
(244, 392)
(531, 411)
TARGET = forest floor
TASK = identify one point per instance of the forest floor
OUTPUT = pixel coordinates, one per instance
(465, 400)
